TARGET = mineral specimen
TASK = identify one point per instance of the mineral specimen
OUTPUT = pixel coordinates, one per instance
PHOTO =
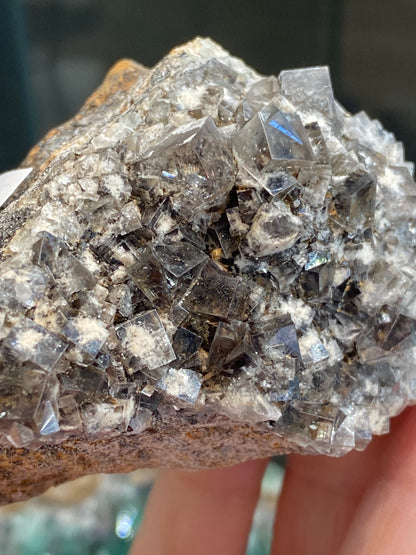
(205, 265)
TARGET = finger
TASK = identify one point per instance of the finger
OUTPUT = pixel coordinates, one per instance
(200, 513)
(385, 520)
(319, 498)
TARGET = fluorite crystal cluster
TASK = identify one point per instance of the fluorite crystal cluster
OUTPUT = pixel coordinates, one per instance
(210, 243)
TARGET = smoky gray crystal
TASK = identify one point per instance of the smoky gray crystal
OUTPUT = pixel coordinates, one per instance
(220, 243)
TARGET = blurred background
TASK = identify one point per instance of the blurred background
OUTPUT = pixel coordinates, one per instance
(99, 515)
(53, 53)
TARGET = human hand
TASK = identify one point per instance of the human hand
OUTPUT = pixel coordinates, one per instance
(360, 504)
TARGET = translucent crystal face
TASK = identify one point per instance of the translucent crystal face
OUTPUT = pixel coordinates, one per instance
(219, 244)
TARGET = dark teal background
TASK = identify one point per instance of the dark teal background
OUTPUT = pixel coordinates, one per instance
(53, 53)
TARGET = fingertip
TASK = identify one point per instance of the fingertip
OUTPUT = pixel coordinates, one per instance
(201, 512)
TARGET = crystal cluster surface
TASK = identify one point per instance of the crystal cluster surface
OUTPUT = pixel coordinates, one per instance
(222, 243)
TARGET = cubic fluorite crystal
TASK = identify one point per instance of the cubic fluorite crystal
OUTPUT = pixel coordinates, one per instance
(206, 246)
